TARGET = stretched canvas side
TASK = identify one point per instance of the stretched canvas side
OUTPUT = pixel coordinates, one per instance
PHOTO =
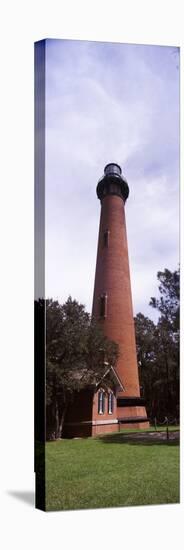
(39, 326)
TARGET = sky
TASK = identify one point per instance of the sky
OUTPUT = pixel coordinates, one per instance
(110, 102)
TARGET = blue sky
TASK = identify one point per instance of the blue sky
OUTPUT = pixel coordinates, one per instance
(111, 103)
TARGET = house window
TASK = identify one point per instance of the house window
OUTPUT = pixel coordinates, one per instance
(101, 402)
(103, 306)
(110, 403)
(106, 238)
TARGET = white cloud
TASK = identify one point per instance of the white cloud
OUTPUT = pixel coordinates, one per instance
(110, 103)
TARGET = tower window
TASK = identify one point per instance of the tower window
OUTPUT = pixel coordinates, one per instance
(101, 402)
(110, 403)
(103, 306)
(106, 238)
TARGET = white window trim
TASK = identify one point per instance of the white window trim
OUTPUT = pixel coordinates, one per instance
(110, 402)
(101, 403)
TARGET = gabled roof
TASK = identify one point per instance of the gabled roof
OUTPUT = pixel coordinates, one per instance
(115, 376)
(79, 375)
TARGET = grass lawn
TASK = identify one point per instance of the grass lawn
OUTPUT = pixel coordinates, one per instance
(113, 470)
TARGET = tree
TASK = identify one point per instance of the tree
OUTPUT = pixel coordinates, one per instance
(75, 351)
(168, 337)
(168, 304)
(146, 342)
(158, 349)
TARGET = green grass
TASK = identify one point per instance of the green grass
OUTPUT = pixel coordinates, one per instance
(161, 428)
(111, 471)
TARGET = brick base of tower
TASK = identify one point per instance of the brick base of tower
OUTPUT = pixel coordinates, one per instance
(131, 412)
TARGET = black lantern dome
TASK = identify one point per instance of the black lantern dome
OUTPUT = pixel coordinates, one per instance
(112, 182)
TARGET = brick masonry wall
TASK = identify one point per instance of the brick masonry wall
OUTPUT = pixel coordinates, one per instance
(77, 430)
(81, 407)
(105, 416)
(113, 277)
(100, 430)
(107, 423)
(83, 418)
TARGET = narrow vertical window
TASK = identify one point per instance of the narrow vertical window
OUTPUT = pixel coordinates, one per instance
(103, 306)
(110, 403)
(101, 402)
(106, 238)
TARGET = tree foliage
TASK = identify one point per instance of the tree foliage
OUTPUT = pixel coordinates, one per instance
(158, 349)
(168, 304)
(75, 352)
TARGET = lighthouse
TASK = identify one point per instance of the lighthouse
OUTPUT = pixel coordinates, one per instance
(102, 408)
(112, 299)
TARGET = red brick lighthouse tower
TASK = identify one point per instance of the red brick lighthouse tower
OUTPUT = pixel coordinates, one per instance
(112, 301)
